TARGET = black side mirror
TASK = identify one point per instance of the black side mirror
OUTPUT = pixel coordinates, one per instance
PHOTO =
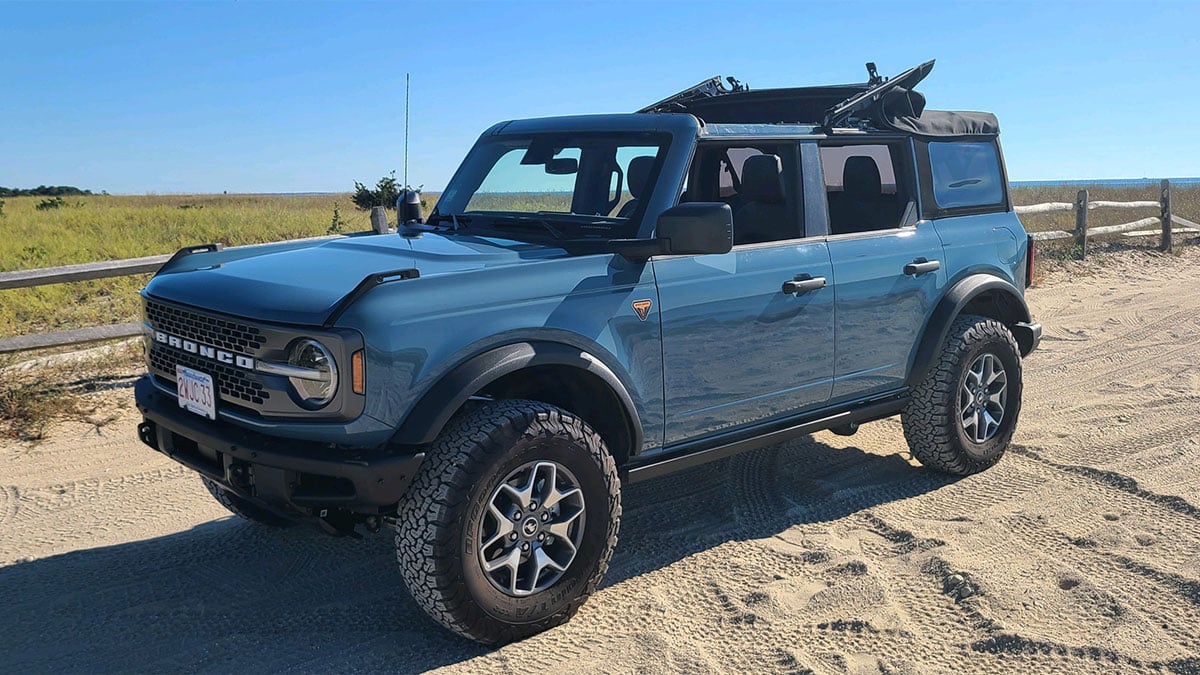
(696, 227)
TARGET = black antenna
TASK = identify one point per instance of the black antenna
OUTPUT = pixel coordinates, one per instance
(407, 78)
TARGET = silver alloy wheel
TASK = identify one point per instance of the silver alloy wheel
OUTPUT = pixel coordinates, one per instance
(982, 398)
(532, 528)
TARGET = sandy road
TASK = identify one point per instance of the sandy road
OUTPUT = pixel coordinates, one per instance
(1080, 552)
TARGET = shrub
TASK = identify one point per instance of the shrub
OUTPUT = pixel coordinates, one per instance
(1, 208)
(386, 191)
(52, 203)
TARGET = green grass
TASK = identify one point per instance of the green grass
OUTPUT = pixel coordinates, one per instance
(87, 229)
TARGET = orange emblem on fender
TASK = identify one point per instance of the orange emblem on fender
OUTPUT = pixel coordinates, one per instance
(642, 307)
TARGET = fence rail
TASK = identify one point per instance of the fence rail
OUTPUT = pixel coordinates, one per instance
(148, 264)
(1165, 219)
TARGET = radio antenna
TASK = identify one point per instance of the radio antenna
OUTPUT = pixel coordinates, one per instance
(407, 78)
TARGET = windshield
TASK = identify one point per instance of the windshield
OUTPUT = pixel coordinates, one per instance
(561, 185)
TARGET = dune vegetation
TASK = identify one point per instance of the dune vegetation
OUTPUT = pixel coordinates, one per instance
(46, 231)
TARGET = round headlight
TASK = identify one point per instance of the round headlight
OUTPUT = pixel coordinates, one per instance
(318, 389)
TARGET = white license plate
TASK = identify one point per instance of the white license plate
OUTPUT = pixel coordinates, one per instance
(196, 392)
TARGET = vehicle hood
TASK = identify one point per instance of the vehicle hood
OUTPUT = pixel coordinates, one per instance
(303, 285)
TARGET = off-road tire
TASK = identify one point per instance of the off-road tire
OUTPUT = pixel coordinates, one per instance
(438, 521)
(934, 433)
(244, 509)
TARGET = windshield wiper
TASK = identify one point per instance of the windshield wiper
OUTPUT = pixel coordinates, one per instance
(523, 220)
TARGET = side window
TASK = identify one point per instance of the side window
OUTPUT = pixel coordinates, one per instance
(864, 186)
(965, 174)
(760, 183)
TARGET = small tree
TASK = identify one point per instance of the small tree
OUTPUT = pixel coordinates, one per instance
(386, 191)
(1, 208)
(336, 224)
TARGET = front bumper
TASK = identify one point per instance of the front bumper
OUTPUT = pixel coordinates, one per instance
(297, 478)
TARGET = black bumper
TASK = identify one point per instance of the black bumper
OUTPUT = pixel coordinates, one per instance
(1028, 336)
(285, 475)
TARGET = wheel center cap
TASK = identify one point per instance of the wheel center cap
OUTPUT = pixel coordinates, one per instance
(530, 527)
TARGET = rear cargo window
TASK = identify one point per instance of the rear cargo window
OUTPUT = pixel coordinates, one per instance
(965, 174)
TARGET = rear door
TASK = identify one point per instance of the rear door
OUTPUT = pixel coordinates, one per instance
(889, 267)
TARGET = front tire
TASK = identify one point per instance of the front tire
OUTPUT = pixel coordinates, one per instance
(962, 415)
(511, 521)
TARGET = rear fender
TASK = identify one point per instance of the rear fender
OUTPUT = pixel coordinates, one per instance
(1009, 308)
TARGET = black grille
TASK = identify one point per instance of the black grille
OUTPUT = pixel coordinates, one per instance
(232, 383)
(230, 335)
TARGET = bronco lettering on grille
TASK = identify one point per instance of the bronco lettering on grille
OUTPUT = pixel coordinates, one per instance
(206, 351)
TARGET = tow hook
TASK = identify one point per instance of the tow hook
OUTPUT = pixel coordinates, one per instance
(147, 434)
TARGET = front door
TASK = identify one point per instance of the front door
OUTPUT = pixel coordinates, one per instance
(738, 346)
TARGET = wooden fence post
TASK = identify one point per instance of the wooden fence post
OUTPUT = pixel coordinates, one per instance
(1165, 201)
(1081, 233)
(379, 221)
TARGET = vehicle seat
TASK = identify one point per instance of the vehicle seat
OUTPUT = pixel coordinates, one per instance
(637, 178)
(862, 206)
(764, 217)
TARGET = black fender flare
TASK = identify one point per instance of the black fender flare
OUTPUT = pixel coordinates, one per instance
(951, 305)
(436, 406)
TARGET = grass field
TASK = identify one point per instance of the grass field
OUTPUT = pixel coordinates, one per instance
(86, 229)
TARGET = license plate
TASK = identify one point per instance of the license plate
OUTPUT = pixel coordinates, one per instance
(196, 392)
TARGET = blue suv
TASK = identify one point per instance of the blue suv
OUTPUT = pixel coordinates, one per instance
(598, 300)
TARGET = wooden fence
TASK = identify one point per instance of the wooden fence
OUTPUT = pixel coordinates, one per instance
(103, 270)
(120, 268)
(1164, 220)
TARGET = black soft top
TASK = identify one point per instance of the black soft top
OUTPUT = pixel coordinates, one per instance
(880, 103)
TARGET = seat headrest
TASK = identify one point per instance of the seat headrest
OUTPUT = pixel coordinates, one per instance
(762, 179)
(860, 178)
(638, 174)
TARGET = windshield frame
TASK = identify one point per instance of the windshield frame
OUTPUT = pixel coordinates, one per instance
(485, 154)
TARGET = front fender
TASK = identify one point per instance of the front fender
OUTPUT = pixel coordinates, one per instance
(434, 409)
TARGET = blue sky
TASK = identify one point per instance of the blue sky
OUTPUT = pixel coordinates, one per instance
(292, 97)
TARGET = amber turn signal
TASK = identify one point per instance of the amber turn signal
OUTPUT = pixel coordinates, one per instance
(358, 378)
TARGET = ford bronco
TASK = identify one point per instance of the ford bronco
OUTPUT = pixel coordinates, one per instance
(598, 300)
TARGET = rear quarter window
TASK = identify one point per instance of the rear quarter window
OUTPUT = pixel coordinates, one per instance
(965, 174)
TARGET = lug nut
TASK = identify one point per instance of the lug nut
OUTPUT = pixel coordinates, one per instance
(533, 506)
(513, 536)
(545, 517)
(517, 515)
(524, 546)
(541, 537)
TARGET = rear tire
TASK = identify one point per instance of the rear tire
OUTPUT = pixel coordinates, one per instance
(962, 415)
(244, 509)
(504, 489)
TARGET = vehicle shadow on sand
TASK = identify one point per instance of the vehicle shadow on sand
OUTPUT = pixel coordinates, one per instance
(232, 596)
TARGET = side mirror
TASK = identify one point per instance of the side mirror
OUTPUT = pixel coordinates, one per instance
(696, 227)
(562, 166)
(408, 207)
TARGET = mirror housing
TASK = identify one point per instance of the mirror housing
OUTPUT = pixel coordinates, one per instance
(696, 228)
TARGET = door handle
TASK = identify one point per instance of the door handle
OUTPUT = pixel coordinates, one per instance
(803, 284)
(922, 266)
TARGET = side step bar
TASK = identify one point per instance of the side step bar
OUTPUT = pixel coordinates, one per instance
(689, 457)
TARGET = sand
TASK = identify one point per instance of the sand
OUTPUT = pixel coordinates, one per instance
(1079, 552)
